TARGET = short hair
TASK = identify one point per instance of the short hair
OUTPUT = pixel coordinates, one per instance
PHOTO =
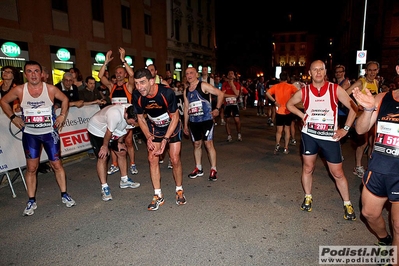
(33, 63)
(283, 76)
(373, 62)
(340, 66)
(89, 78)
(67, 75)
(143, 72)
(155, 67)
(131, 112)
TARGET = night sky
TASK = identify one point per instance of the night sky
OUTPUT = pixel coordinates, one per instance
(243, 31)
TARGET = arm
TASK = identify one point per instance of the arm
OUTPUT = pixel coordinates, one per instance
(344, 98)
(104, 150)
(358, 84)
(268, 95)
(175, 117)
(185, 112)
(104, 80)
(11, 96)
(368, 117)
(296, 98)
(63, 99)
(208, 88)
(129, 70)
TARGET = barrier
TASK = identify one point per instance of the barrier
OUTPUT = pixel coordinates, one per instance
(74, 139)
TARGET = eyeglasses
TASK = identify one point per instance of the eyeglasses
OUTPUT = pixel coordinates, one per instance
(7, 71)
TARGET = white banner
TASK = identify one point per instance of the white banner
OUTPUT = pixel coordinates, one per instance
(74, 137)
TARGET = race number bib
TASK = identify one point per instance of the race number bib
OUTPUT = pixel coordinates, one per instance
(195, 108)
(38, 118)
(387, 140)
(160, 121)
(231, 101)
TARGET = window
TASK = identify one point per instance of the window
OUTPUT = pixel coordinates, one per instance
(147, 24)
(189, 36)
(97, 10)
(60, 5)
(125, 17)
(200, 37)
(199, 7)
(177, 30)
(208, 43)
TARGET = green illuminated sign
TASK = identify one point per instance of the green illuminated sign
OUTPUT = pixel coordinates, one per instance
(100, 58)
(129, 60)
(63, 54)
(11, 49)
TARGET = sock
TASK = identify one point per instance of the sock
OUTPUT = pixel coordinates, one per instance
(308, 195)
(32, 199)
(214, 168)
(115, 164)
(124, 178)
(132, 164)
(347, 202)
(179, 188)
(199, 166)
(158, 192)
(63, 193)
(104, 185)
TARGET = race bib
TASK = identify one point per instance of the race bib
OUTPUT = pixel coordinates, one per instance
(195, 108)
(231, 101)
(160, 121)
(38, 118)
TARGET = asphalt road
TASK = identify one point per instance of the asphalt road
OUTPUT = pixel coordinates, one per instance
(250, 216)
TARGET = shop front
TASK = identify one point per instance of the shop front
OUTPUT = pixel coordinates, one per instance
(13, 53)
(62, 60)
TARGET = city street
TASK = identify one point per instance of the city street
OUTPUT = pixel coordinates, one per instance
(250, 216)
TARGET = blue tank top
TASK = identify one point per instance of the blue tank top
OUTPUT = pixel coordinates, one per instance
(199, 107)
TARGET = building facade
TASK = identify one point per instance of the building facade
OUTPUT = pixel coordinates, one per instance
(61, 34)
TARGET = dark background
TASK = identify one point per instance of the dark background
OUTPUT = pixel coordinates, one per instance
(244, 32)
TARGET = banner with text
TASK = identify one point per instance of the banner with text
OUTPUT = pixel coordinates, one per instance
(74, 137)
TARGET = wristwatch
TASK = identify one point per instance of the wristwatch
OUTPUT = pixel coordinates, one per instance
(346, 128)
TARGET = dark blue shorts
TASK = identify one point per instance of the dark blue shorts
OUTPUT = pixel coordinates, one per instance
(330, 149)
(382, 185)
(32, 145)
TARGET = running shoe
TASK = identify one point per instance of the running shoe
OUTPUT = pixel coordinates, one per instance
(349, 212)
(31, 206)
(195, 173)
(386, 242)
(359, 171)
(106, 194)
(222, 123)
(307, 204)
(229, 138)
(170, 165)
(293, 142)
(239, 138)
(113, 169)
(68, 201)
(180, 198)
(128, 183)
(213, 175)
(155, 203)
(286, 151)
(277, 148)
(133, 169)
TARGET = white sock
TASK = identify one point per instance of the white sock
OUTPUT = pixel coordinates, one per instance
(158, 192)
(347, 202)
(179, 188)
(124, 178)
(199, 166)
(104, 185)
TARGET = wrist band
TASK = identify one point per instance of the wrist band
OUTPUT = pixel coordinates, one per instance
(123, 62)
(13, 116)
(370, 109)
(167, 139)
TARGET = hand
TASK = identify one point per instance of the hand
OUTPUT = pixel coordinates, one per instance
(108, 57)
(122, 53)
(18, 122)
(103, 153)
(367, 100)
